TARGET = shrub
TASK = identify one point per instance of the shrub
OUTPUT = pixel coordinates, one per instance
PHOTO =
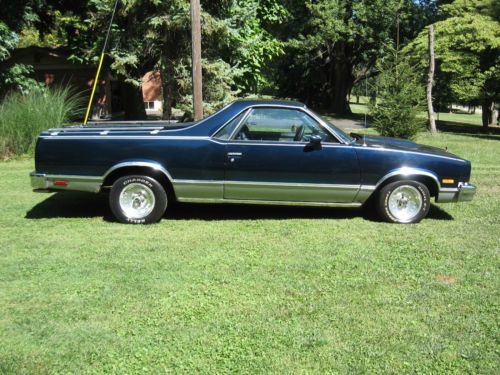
(18, 78)
(400, 100)
(24, 116)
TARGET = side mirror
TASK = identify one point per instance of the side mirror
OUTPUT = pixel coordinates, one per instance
(315, 141)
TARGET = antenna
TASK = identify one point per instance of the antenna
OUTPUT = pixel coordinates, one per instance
(100, 63)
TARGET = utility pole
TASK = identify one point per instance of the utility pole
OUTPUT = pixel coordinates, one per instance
(196, 48)
(430, 82)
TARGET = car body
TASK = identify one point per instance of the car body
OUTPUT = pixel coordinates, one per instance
(251, 151)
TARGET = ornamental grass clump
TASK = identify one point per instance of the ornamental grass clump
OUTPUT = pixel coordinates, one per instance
(24, 116)
(400, 100)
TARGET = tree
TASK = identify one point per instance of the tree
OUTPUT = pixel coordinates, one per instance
(156, 36)
(14, 17)
(337, 43)
(252, 45)
(467, 54)
(400, 98)
(44, 23)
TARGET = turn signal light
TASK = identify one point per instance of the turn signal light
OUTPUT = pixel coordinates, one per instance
(448, 181)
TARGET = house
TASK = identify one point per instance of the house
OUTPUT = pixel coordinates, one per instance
(52, 66)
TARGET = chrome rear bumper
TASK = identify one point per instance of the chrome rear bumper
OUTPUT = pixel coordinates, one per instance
(463, 193)
(41, 182)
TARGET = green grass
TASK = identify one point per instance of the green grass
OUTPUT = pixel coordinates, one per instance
(229, 289)
(359, 110)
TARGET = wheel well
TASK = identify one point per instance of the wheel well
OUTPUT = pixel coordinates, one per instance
(426, 180)
(143, 171)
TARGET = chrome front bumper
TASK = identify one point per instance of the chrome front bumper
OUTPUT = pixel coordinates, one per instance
(463, 193)
(41, 182)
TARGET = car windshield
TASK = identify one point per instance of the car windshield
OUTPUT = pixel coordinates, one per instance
(344, 136)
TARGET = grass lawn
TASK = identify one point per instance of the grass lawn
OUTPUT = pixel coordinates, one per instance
(230, 289)
(359, 110)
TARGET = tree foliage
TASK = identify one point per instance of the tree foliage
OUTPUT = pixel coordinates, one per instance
(312, 50)
(467, 53)
(155, 35)
(400, 99)
(253, 46)
(337, 43)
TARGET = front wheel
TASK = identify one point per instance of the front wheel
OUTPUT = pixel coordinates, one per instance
(404, 202)
(138, 200)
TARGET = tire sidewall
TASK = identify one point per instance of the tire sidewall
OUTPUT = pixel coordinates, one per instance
(158, 191)
(386, 192)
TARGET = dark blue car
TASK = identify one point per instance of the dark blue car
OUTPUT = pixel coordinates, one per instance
(258, 151)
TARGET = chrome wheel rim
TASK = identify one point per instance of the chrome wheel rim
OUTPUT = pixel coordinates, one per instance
(137, 201)
(404, 203)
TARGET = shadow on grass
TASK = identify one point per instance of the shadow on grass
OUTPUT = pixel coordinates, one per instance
(216, 212)
(88, 205)
(437, 213)
(493, 132)
(71, 205)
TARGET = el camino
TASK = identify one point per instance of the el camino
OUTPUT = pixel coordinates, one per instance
(251, 151)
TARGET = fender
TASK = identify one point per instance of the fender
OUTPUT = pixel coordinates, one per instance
(366, 191)
(407, 171)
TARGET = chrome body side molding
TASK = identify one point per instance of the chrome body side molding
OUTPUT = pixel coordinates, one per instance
(198, 189)
(276, 191)
(365, 191)
(212, 191)
(257, 192)
(275, 203)
(264, 191)
(46, 182)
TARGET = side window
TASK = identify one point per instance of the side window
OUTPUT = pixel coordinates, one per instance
(280, 125)
(227, 130)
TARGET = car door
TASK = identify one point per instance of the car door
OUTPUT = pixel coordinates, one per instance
(270, 158)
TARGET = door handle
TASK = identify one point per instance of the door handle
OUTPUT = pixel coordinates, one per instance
(233, 155)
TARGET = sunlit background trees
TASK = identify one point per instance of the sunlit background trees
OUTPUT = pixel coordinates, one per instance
(323, 52)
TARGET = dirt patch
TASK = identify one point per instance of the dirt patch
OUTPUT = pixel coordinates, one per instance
(446, 279)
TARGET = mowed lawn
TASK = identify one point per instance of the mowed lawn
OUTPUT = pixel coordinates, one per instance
(232, 289)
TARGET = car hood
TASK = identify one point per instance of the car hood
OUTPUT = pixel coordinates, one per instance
(400, 144)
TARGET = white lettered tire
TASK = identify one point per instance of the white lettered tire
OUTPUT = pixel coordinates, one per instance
(138, 200)
(404, 202)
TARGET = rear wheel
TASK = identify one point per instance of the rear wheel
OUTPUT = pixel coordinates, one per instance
(138, 200)
(404, 202)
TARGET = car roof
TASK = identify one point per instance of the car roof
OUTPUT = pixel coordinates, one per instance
(253, 102)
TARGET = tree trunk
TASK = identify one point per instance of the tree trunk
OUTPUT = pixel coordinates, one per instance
(167, 101)
(168, 82)
(134, 102)
(342, 84)
(430, 82)
(488, 107)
